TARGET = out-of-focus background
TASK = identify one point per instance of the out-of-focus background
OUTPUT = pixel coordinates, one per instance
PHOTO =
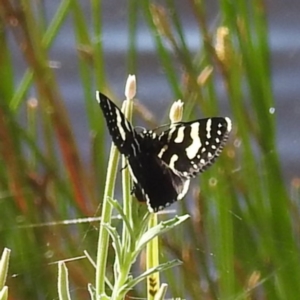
(283, 25)
(242, 241)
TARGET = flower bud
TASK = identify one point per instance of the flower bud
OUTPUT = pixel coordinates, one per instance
(176, 111)
(130, 88)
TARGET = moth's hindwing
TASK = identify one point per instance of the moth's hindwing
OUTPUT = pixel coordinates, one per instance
(189, 148)
(155, 183)
(123, 134)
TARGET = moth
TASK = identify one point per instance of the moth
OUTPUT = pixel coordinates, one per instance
(162, 164)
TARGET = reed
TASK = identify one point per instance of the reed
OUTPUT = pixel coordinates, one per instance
(241, 240)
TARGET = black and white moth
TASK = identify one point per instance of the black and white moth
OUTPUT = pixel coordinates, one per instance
(161, 165)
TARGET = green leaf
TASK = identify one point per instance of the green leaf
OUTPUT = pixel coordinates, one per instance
(116, 244)
(159, 229)
(63, 282)
(4, 261)
(120, 210)
(159, 268)
(4, 293)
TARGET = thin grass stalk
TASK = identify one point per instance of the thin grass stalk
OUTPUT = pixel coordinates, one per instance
(200, 241)
(100, 81)
(4, 293)
(130, 91)
(96, 124)
(45, 162)
(225, 242)
(153, 282)
(107, 210)
(163, 53)
(86, 57)
(175, 37)
(47, 41)
(63, 282)
(10, 149)
(127, 242)
(97, 45)
(175, 17)
(275, 187)
(103, 240)
(133, 9)
(6, 70)
(262, 101)
(28, 35)
(152, 257)
(252, 180)
(32, 128)
(235, 94)
(283, 229)
(4, 263)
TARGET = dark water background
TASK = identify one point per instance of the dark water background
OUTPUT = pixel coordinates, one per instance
(153, 89)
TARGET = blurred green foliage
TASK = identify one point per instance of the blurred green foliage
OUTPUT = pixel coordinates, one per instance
(242, 239)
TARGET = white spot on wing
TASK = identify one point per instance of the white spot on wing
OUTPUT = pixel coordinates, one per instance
(192, 150)
(164, 206)
(185, 188)
(229, 124)
(133, 148)
(119, 124)
(148, 202)
(208, 128)
(180, 135)
(98, 96)
(173, 159)
(128, 127)
(160, 154)
(108, 104)
(171, 132)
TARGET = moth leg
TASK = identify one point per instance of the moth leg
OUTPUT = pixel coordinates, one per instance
(133, 190)
(136, 190)
(123, 168)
